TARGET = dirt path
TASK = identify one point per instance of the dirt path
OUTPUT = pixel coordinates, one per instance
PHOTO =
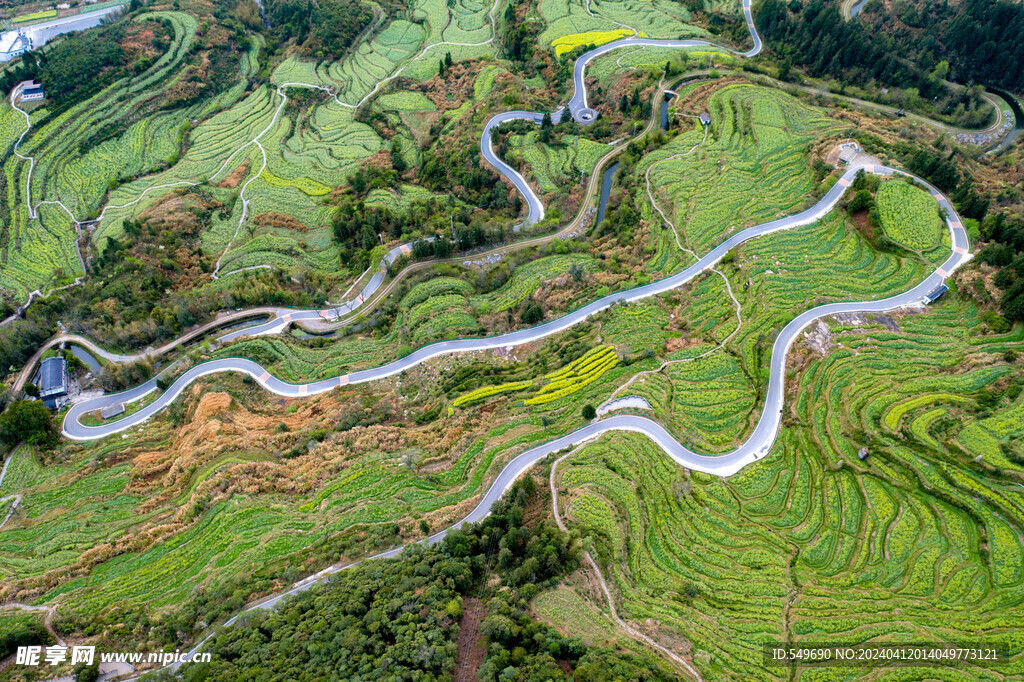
(629, 629)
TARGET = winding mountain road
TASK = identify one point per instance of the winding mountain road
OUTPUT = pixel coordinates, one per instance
(756, 447)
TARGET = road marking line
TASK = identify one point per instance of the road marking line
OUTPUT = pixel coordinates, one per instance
(843, 182)
(942, 273)
(303, 389)
(287, 318)
(343, 380)
(961, 250)
(264, 377)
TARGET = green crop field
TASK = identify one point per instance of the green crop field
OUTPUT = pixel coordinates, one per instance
(812, 545)
(35, 16)
(575, 616)
(305, 159)
(562, 166)
(653, 18)
(752, 168)
(67, 167)
(910, 216)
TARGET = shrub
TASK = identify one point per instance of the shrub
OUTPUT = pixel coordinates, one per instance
(29, 421)
(532, 314)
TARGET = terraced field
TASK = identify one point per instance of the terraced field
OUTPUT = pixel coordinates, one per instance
(568, 23)
(909, 216)
(557, 167)
(78, 173)
(304, 158)
(813, 545)
(753, 166)
(80, 515)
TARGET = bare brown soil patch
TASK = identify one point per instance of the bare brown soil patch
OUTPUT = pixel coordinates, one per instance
(863, 222)
(279, 220)
(454, 89)
(470, 655)
(236, 176)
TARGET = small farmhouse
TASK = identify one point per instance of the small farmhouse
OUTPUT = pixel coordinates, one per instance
(30, 90)
(705, 118)
(848, 151)
(53, 382)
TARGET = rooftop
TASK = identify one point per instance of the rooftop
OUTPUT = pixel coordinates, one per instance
(936, 293)
(14, 41)
(53, 377)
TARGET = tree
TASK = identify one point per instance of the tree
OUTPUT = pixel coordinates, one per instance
(86, 673)
(1013, 302)
(448, 60)
(532, 314)
(545, 128)
(784, 69)
(440, 68)
(862, 201)
(624, 103)
(397, 160)
(28, 421)
(589, 412)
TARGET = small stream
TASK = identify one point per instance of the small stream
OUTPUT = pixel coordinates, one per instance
(606, 188)
(664, 111)
(87, 359)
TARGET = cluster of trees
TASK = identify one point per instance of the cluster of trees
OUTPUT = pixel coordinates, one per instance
(459, 171)
(1006, 252)
(973, 41)
(20, 340)
(28, 421)
(358, 226)
(323, 28)
(943, 172)
(444, 64)
(979, 38)
(519, 40)
(361, 228)
(399, 618)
